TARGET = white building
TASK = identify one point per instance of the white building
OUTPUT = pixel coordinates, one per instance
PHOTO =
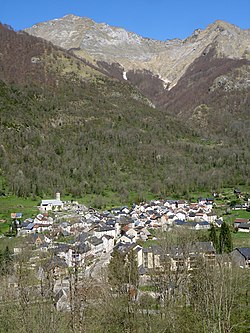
(51, 204)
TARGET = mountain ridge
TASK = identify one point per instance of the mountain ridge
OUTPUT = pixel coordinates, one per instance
(221, 24)
(166, 59)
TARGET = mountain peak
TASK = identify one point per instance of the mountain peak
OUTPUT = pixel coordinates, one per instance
(71, 16)
(99, 39)
(221, 25)
(169, 60)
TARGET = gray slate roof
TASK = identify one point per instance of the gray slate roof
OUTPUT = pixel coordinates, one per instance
(245, 251)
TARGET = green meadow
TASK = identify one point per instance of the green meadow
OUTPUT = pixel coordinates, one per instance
(13, 204)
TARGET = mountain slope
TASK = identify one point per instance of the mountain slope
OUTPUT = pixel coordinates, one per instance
(187, 78)
(67, 126)
(213, 93)
(168, 60)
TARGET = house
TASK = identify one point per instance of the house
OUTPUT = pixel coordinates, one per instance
(60, 251)
(138, 251)
(80, 253)
(202, 225)
(171, 204)
(186, 259)
(27, 228)
(144, 234)
(65, 233)
(200, 216)
(42, 227)
(206, 249)
(180, 223)
(126, 239)
(210, 201)
(211, 217)
(244, 227)
(151, 257)
(241, 257)
(116, 211)
(177, 258)
(238, 207)
(181, 203)
(181, 215)
(43, 219)
(108, 243)
(165, 219)
(39, 239)
(202, 201)
(51, 204)
(239, 221)
(73, 255)
(96, 245)
(218, 222)
(125, 248)
(100, 231)
(125, 210)
(237, 191)
(82, 237)
(132, 233)
(191, 216)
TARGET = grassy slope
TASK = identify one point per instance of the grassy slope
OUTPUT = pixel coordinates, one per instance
(13, 204)
(241, 239)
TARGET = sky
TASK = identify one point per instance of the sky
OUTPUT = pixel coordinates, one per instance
(159, 19)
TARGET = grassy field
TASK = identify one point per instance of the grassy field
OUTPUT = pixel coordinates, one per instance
(241, 213)
(241, 239)
(111, 199)
(13, 204)
(234, 214)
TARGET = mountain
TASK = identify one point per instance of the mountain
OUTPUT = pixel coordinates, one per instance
(203, 79)
(63, 123)
(71, 124)
(67, 126)
(168, 60)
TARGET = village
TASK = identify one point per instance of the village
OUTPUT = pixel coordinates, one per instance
(75, 236)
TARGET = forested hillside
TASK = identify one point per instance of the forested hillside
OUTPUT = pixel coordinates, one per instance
(67, 126)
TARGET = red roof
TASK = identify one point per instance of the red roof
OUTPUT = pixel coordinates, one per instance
(241, 220)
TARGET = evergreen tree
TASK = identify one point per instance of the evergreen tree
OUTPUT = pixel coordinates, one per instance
(123, 270)
(14, 227)
(225, 239)
(5, 261)
(213, 238)
(7, 255)
(1, 262)
(116, 272)
(132, 275)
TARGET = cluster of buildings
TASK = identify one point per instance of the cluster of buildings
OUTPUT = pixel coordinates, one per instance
(77, 236)
(124, 225)
(80, 235)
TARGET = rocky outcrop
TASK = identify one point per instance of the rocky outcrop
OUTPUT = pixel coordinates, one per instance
(168, 60)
